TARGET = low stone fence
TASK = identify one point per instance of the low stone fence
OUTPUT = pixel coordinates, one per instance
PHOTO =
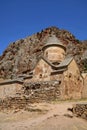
(13, 103)
(80, 110)
(31, 93)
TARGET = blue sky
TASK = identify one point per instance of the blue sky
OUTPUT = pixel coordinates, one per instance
(21, 18)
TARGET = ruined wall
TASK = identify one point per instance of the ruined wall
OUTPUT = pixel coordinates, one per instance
(9, 103)
(32, 93)
(9, 90)
(80, 110)
(73, 82)
(54, 54)
(42, 91)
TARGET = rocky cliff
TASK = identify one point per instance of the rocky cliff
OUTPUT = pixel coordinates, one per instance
(21, 56)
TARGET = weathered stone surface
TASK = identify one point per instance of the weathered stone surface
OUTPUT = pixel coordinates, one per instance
(13, 103)
(80, 110)
(73, 82)
(31, 93)
(84, 92)
(10, 88)
(42, 91)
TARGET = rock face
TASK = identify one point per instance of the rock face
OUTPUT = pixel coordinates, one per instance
(21, 56)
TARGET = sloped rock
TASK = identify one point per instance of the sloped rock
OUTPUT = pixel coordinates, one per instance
(22, 56)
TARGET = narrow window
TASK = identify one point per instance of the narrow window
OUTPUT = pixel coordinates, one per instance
(40, 76)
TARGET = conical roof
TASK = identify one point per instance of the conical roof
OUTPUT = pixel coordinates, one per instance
(53, 41)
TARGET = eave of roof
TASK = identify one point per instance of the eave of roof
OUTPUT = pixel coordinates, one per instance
(55, 44)
(11, 82)
(65, 62)
(62, 65)
(58, 71)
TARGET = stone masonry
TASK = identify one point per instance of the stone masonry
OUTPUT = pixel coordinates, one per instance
(80, 110)
(31, 93)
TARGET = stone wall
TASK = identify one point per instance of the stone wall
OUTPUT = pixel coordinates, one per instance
(80, 110)
(42, 91)
(31, 93)
(9, 89)
(42, 71)
(9, 103)
(73, 82)
(54, 54)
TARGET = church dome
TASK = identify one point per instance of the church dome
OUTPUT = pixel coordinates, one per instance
(54, 50)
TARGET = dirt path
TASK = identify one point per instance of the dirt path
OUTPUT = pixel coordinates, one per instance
(42, 116)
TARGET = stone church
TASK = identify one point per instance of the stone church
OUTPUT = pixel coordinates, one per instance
(54, 66)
